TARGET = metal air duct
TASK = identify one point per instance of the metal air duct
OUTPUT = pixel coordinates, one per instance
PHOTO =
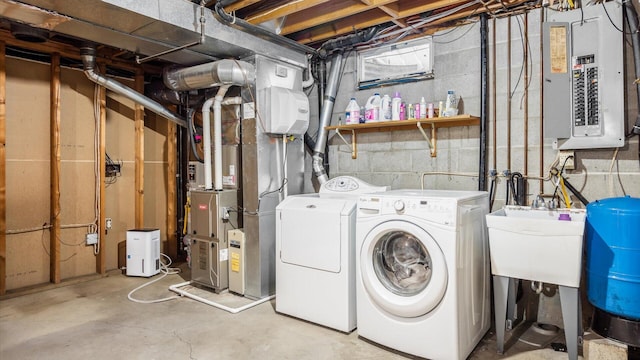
(88, 55)
(222, 72)
(325, 117)
(150, 27)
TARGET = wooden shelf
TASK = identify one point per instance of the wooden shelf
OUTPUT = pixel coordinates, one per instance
(433, 123)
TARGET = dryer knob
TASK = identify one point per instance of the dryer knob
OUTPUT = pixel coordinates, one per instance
(398, 205)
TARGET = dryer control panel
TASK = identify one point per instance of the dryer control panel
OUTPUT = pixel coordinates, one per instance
(348, 185)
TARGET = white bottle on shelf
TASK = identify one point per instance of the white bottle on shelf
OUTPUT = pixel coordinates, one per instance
(395, 106)
(451, 105)
(423, 109)
(372, 109)
(385, 108)
(352, 113)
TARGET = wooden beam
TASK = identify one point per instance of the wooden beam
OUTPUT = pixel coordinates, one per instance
(101, 258)
(139, 154)
(3, 171)
(330, 13)
(283, 10)
(72, 52)
(235, 6)
(54, 231)
(172, 155)
(343, 27)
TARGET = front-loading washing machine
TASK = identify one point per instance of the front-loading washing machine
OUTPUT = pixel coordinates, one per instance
(422, 265)
(315, 253)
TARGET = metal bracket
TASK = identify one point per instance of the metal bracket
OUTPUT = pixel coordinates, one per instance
(432, 141)
(354, 146)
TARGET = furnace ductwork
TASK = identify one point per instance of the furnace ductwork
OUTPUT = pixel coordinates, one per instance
(222, 72)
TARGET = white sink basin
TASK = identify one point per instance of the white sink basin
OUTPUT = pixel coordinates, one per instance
(534, 245)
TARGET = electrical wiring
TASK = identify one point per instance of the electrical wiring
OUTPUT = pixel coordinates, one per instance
(165, 269)
(459, 37)
(610, 20)
(96, 167)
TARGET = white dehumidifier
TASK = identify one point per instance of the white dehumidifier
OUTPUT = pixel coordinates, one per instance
(143, 252)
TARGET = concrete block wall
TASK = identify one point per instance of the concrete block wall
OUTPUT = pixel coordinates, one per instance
(399, 158)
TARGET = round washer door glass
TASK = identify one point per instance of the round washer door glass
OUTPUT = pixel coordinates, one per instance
(402, 263)
(402, 268)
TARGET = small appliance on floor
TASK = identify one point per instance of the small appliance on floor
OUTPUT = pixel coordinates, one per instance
(143, 252)
(422, 260)
(315, 253)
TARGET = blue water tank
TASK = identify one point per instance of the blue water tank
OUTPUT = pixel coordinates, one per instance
(613, 256)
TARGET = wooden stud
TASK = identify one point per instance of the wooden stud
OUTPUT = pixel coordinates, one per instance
(139, 154)
(101, 258)
(3, 172)
(172, 153)
(54, 232)
(72, 52)
(283, 10)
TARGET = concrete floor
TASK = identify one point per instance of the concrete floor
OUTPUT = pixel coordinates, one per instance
(95, 320)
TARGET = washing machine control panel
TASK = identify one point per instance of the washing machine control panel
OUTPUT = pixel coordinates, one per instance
(441, 211)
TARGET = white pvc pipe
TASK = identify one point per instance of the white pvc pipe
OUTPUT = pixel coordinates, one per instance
(206, 142)
(285, 187)
(175, 288)
(217, 130)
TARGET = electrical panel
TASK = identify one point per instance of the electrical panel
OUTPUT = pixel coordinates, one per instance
(583, 77)
(143, 252)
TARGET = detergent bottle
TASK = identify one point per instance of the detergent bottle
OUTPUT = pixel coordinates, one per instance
(372, 108)
(352, 112)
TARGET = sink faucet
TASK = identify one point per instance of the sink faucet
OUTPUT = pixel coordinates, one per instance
(539, 203)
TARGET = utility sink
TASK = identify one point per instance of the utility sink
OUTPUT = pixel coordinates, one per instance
(533, 244)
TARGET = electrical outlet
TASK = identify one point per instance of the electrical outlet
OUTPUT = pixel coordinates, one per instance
(91, 239)
(566, 158)
(225, 213)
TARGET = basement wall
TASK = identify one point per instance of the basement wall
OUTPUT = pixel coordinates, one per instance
(28, 172)
(399, 158)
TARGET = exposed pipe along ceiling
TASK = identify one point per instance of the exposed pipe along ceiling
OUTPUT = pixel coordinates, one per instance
(214, 61)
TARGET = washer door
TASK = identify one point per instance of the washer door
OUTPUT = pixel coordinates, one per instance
(403, 269)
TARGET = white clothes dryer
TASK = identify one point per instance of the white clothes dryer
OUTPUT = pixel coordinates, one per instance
(315, 253)
(422, 268)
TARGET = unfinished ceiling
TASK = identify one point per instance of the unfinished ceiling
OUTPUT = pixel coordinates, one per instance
(134, 28)
(312, 22)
